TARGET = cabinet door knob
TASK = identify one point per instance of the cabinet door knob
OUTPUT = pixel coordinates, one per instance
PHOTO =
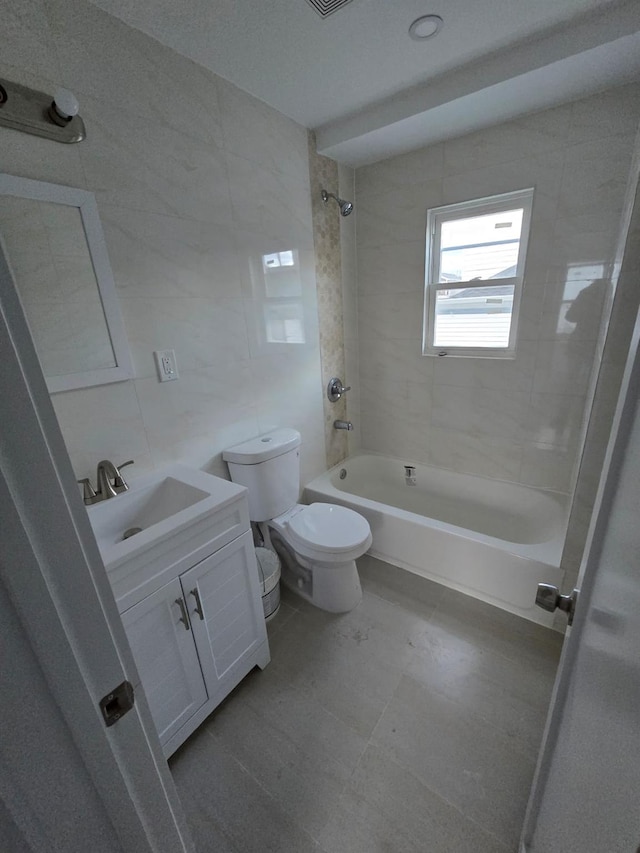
(185, 616)
(198, 608)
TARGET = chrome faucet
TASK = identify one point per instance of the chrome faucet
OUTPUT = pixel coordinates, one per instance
(343, 425)
(110, 482)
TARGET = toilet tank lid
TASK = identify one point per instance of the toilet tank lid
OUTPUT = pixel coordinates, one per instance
(264, 447)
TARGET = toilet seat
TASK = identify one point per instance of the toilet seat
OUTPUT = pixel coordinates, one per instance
(325, 531)
(329, 528)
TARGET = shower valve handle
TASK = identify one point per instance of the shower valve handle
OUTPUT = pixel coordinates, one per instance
(335, 389)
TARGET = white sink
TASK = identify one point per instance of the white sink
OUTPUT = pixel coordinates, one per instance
(160, 504)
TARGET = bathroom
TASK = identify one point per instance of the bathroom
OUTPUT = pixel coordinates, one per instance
(202, 189)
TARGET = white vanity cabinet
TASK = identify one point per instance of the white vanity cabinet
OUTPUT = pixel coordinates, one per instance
(226, 619)
(196, 637)
(190, 602)
(166, 657)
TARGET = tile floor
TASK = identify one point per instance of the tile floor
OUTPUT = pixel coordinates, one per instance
(410, 725)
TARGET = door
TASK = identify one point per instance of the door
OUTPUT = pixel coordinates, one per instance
(585, 795)
(225, 610)
(160, 636)
(64, 647)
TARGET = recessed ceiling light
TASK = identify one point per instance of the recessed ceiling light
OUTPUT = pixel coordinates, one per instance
(425, 27)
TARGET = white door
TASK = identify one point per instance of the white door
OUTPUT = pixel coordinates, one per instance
(160, 636)
(67, 781)
(225, 609)
(586, 796)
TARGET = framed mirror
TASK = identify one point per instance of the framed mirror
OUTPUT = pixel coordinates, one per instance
(57, 252)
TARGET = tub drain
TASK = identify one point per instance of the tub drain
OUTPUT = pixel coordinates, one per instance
(131, 532)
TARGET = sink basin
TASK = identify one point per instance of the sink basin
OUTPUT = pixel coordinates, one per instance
(156, 507)
(142, 509)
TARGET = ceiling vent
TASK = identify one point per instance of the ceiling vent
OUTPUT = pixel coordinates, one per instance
(326, 7)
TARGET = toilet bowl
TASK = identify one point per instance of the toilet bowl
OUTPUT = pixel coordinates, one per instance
(318, 544)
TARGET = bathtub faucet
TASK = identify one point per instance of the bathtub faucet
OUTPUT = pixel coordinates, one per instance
(343, 425)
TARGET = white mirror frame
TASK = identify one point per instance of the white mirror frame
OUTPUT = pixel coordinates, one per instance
(85, 202)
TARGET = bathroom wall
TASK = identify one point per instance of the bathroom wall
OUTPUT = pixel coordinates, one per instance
(349, 261)
(614, 346)
(323, 174)
(520, 419)
(196, 183)
(336, 276)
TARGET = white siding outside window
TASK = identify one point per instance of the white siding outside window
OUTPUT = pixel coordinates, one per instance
(474, 275)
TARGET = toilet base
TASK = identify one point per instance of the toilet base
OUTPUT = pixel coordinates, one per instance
(334, 587)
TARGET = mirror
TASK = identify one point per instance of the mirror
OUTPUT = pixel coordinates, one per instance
(56, 249)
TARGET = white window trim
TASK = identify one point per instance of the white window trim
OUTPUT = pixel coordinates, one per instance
(461, 210)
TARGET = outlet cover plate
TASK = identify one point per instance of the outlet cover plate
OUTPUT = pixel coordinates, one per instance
(166, 365)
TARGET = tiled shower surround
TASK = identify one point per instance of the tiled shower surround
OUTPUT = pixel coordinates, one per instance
(518, 419)
(195, 181)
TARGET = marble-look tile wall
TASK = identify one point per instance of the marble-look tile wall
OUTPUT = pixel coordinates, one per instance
(348, 254)
(196, 183)
(615, 345)
(521, 419)
(323, 174)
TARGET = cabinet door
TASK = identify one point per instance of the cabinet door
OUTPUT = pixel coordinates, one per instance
(225, 608)
(166, 657)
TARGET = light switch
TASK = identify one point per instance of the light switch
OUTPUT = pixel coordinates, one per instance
(166, 364)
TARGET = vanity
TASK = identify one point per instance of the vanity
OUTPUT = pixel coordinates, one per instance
(187, 588)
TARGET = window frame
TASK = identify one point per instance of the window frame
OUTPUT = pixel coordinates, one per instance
(463, 210)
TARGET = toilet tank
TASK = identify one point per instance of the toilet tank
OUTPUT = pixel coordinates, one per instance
(269, 466)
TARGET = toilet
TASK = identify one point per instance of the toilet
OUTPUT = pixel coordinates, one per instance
(317, 544)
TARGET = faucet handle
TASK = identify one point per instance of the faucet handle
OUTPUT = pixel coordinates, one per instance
(88, 492)
(119, 483)
(335, 389)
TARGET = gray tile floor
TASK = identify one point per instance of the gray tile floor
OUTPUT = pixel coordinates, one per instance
(410, 725)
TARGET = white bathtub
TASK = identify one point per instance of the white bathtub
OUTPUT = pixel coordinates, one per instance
(493, 540)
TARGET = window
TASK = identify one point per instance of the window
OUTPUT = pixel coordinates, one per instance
(474, 272)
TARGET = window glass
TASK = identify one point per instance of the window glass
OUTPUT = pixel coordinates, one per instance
(480, 246)
(476, 317)
(474, 275)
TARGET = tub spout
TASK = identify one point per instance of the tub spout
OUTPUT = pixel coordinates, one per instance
(342, 425)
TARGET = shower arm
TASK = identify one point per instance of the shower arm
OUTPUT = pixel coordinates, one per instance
(345, 206)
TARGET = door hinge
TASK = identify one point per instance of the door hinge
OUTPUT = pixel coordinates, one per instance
(116, 704)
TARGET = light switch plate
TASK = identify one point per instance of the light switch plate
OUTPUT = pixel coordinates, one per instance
(166, 365)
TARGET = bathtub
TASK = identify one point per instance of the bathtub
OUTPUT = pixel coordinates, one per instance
(493, 540)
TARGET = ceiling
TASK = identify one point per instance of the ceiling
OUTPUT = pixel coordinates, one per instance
(370, 91)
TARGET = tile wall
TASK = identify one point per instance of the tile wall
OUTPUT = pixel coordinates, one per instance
(614, 346)
(323, 174)
(521, 419)
(348, 253)
(196, 183)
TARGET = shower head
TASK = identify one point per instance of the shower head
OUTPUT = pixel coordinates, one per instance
(345, 206)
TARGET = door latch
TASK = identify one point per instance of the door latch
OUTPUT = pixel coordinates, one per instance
(548, 597)
(116, 704)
